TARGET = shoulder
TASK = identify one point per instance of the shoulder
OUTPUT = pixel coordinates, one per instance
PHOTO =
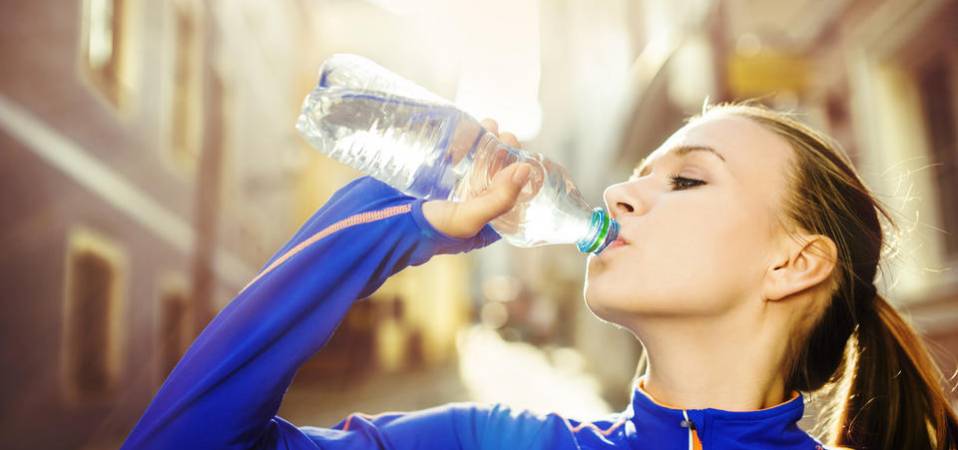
(505, 426)
(498, 425)
(604, 427)
(518, 428)
(472, 426)
(465, 425)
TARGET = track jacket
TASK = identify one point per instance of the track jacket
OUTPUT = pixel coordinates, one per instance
(226, 390)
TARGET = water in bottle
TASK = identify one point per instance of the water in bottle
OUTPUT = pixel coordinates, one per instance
(400, 133)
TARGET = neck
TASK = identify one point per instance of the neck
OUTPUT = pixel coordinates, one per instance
(730, 363)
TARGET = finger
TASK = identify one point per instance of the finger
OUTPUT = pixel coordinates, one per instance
(498, 199)
(490, 125)
(509, 139)
(462, 140)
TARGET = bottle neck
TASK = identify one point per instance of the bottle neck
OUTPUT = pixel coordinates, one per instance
(603, 230)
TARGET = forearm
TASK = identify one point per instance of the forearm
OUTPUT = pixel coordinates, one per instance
(230, 383)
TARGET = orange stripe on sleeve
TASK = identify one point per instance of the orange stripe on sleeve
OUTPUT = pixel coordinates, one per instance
(358, 219)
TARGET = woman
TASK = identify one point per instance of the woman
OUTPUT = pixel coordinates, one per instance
(745, 267)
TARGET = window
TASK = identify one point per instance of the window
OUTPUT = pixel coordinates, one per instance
(174, 327)
(103, 44)
(937, 94)
(92, 313)
(186, 105)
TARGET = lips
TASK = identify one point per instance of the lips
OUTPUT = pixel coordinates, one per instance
(619, 242)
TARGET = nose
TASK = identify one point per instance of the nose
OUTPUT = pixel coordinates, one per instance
(620, 200)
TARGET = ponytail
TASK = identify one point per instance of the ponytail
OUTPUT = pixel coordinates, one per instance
(896, 397)
(886, 391)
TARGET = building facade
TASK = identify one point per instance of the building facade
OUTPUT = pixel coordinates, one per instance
(149, 167)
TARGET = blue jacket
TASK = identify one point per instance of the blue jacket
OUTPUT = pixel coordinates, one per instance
(226, 390)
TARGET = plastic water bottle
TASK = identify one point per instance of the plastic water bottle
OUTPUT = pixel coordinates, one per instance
(400, 133)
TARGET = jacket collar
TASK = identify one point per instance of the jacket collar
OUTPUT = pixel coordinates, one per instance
(774, 427)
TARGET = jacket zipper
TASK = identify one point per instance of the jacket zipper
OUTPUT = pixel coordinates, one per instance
(694, 442)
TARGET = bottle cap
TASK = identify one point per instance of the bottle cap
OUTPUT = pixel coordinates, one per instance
(603, 229)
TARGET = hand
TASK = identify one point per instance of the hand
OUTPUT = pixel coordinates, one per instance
(465, 219)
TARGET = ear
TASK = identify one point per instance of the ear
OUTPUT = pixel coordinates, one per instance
(800, 265)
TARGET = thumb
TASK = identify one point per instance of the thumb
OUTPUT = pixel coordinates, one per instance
(499, 198)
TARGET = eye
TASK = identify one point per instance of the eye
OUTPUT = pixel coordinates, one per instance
(682, 183)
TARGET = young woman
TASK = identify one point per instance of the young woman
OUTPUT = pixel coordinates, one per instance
(745, 267)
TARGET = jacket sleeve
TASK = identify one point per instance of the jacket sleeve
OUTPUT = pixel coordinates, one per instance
(227, 388)
(465, 426)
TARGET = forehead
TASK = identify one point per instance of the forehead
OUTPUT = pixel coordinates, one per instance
(749, 149)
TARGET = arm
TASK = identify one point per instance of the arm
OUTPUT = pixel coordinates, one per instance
(228, 386)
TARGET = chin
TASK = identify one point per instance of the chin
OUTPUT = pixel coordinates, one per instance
(624, 304)
(601, 302)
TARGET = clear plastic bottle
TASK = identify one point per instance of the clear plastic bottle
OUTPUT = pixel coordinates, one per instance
(392, 129)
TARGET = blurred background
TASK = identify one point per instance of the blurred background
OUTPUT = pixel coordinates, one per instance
(149, 166)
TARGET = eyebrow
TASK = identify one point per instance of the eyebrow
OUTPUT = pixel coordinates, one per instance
(680, 151)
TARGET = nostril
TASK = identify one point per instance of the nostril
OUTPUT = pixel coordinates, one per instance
(625, 206)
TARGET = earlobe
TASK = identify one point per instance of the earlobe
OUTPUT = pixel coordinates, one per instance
(802, 265)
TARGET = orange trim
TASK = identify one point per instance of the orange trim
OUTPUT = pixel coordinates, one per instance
(696, 442)
(349, 419)
(640, 386)
(595, 427)
(358, 219)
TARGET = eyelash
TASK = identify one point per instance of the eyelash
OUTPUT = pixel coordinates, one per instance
(676, 180)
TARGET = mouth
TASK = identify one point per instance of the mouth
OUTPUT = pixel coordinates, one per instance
(619, 242)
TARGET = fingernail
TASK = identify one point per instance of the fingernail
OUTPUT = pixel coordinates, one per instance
(521, 174)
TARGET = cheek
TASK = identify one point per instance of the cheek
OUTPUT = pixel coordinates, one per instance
(691, 266)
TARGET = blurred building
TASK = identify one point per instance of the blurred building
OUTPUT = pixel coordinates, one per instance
(136, 192)
(149, 167)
